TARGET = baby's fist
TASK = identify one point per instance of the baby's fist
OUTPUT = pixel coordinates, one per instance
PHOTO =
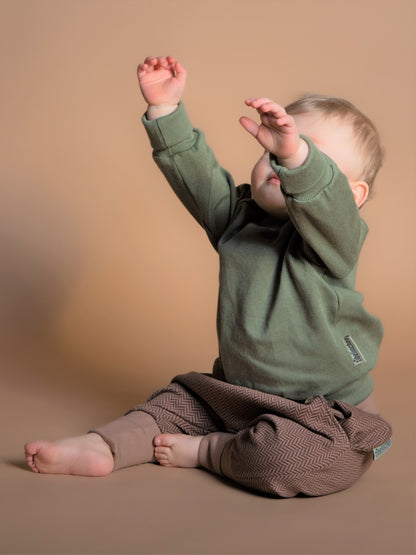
(162, 81)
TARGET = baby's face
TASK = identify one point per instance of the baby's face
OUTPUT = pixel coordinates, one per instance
(332, 136)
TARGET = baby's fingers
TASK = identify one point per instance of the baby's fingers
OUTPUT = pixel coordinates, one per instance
(142, 69)
(180, 71)
(282, 120)
(273, 110)
(265, 105)
(161, 62)
(147, 66)
(152, 62)
(249, 125)
(256, 102)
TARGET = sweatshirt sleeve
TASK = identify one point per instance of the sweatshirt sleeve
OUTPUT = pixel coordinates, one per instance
(323, 210)
(206, 189)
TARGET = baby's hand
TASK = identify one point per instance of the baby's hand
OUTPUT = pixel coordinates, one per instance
(277, 132)
(162, 82)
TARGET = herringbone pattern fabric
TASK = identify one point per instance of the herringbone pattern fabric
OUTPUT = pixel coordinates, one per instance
(280, 447)
(177, 410)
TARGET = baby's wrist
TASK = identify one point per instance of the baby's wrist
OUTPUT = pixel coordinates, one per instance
(160, 110)
(298, 158)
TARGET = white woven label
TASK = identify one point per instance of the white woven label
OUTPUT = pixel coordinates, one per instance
(356, 354)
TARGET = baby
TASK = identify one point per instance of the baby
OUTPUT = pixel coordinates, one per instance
(289, 407)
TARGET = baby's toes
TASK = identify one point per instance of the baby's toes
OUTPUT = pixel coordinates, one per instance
(31, 450)
(162, 455)
(164, 440)
(30, 459)
(162, 452)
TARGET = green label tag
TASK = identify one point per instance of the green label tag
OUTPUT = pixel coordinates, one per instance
(379, 451)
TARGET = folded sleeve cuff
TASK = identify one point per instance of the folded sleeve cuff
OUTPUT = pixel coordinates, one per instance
(306, 181)
(168, 131)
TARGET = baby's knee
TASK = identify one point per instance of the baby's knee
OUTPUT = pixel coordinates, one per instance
(277, 471)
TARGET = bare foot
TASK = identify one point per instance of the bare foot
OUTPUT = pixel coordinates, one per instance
(177, 450)
(87, 455)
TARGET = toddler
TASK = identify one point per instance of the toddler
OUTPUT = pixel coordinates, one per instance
(288, 408)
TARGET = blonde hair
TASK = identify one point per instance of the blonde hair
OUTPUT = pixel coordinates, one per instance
(365, 132)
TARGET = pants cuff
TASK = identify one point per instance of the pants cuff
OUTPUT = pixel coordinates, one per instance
(210, 450)
(130, 438)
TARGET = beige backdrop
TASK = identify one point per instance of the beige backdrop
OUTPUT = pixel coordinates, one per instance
(108, 288)
(105, 281)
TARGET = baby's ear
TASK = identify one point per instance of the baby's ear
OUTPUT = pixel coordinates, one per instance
(360, 190)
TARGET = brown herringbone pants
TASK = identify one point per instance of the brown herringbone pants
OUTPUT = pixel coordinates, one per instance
(261, 441)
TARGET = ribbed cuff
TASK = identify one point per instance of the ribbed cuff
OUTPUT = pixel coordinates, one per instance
(168, 131)
(130, 438)
(306, 181)
(210, 450)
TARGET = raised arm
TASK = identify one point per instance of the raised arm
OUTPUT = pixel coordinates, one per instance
(180, 150)
(318, 195)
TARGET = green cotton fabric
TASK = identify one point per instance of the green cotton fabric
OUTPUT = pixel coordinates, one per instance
(289, 319)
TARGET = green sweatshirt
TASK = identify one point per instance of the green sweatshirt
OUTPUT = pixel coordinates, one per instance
(289, 319)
